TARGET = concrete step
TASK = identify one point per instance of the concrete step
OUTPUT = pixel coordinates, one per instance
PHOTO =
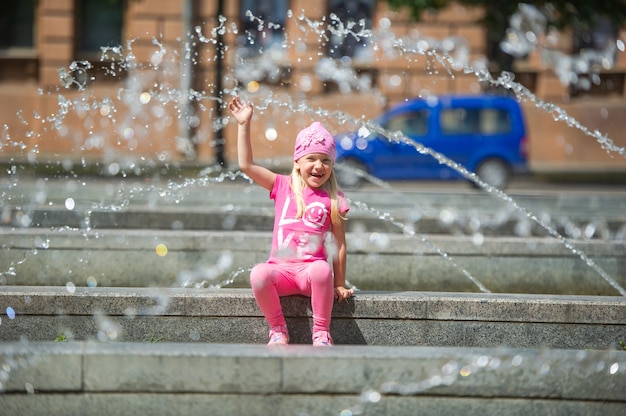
(205, 204)
(376, 261)
(503, 222)
(369, 318)
(90, 378)
(205, 192)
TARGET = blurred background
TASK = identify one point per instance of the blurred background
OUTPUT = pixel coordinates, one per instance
(129, 86)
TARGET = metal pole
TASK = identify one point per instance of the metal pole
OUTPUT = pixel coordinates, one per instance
(219, 62)
(186, 110)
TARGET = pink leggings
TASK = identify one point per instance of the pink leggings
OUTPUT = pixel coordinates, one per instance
(270, 281)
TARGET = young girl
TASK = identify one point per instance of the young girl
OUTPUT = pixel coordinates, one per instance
(307, 206)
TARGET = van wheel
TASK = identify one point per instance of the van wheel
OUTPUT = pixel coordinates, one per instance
(494, 172)
(350, 173)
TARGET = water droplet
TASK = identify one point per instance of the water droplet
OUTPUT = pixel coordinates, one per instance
(91, 282)
(447, 217)
(70, 287)
(113, 169)
(478, 239)
(105, 110)
(590, 230)
(70, 204)
(482, 361)
(371, 396)
(108, 330)
(395, 81)
(361, 143)
(10, 312)
(363, 132)
(144, 98)
(306, 83)
(161, 250)
(379, 240)
(253, 86)
(128, 133)
(271, 134)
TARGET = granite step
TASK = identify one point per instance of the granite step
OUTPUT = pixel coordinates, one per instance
(477, 320)
(376, 261)
(95, 378)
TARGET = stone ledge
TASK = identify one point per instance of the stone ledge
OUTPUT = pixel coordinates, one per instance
(128, 258)
(227, 404)
(298, 378)
(370, 318)
(254, 219)
(45, 300)
(360, 242)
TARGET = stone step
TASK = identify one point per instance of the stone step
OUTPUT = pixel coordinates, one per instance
(376, 261)
(504, 222)
(91, 378)
(369, 318)
(114, 193)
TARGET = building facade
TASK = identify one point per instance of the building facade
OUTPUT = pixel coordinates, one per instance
(132, 83)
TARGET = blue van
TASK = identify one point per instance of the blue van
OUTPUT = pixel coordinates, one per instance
(486, 134)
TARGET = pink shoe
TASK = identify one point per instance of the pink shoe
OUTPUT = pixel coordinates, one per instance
(322, 339)
(279, 336)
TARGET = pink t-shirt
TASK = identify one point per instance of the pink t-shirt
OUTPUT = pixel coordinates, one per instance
(300, 239)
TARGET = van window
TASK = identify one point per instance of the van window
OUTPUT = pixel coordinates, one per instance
(459, 121)
(411, 124)
(475, 120)
(495, 121)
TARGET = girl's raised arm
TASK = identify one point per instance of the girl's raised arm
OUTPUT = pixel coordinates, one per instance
(242, 111)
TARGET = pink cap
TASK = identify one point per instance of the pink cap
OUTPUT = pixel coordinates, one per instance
(314, 139)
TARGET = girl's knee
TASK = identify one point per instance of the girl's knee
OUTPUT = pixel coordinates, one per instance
(260, 276)
(320, 272)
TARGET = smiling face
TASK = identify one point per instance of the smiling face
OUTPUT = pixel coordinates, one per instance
(315, 169)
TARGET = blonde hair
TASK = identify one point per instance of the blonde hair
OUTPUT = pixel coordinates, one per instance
(331, 186)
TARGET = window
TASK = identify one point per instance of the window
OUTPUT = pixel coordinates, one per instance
(17, 24)
(260, 55)
(17, 40)
(410, 124)
(594, 57)
(488, 121)
(263, 23)
(100, 25)
(459, 121)
(494, 121)
(352, 16)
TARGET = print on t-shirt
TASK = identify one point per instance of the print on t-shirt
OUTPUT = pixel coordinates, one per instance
(306, 244)
(300, 239)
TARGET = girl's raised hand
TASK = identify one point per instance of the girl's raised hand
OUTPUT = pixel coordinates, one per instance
(242, 111)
